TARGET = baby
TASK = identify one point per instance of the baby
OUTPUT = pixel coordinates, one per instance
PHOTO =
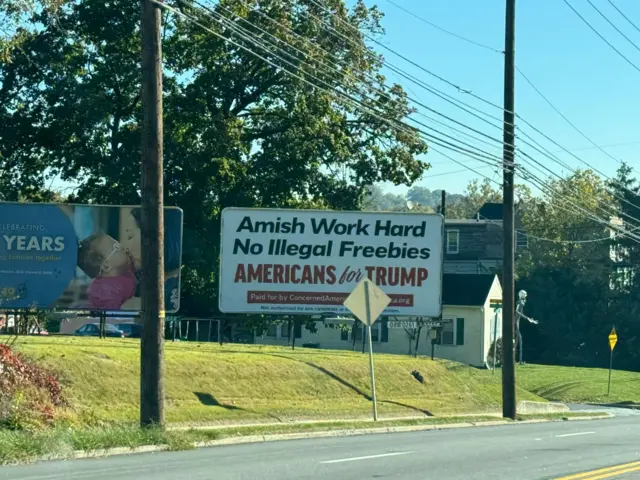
(104, 260)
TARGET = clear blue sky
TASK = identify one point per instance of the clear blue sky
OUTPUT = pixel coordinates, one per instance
(583, 77)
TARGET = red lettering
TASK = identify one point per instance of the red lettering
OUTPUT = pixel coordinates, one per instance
(241, 276)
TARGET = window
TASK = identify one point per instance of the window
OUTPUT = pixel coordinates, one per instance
(452, 331)
(448, 332)
(453, 240)
(271, 331)
(375, 332)
(284, 330)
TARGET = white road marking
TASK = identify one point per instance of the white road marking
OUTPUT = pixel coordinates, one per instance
(355, 459)
(574, 434)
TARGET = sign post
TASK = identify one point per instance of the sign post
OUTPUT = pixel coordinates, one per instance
(367, 302)
(613, 339)
(497, 306)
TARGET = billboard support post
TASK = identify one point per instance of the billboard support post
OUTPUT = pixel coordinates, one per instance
(152, 224)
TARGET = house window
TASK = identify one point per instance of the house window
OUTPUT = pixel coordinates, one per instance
(375, 332)
(271, 331)
(453, 241)
(284, 330)
(522, 241)
(452, 331)
(448, 332)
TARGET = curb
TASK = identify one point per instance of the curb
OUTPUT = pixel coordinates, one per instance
(277, 437)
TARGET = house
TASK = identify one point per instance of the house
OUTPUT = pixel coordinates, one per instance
(465, 336)
(475, 246)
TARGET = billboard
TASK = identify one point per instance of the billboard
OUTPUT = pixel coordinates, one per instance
(84, 257)
(307, 262)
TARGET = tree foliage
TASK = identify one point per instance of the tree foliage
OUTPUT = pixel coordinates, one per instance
(238, 131)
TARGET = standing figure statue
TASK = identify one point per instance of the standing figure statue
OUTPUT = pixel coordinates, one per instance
(522, 299)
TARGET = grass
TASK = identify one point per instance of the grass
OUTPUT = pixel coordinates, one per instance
(23, 447)
(580, 385)
(209, 384)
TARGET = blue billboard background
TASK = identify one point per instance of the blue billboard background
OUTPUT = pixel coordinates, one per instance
(84, 257)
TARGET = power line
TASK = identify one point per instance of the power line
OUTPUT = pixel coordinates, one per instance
(399, 125)
(448, 32)
(624, 16)
(447, 144)
(518, 116)
(564, 117)
(601, 36)
(613, 25)
(394, 123)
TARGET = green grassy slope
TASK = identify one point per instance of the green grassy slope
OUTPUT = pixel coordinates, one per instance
(579, 385)
(207, 383)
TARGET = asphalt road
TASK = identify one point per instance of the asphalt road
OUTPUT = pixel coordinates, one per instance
(529, 451)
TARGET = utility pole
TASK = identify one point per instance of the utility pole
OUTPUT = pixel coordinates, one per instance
(508, 281)
(152, 224)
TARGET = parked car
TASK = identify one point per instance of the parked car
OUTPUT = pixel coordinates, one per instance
(93, 330)
(130, 329)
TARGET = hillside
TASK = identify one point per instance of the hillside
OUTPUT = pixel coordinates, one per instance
(207, 383)
(579, 385)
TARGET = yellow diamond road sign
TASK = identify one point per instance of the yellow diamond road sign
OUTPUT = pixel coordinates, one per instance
(356, 302)
(613, 338)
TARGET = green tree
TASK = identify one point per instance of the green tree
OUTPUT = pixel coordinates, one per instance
(566, 271)
(476, 194)
(238, 132)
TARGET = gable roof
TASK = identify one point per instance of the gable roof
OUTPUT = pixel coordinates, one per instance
(491, 211)
(466, 289)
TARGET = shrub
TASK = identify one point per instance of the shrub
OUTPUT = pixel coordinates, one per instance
(29, 394)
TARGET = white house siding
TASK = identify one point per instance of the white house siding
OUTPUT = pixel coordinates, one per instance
(472, 351)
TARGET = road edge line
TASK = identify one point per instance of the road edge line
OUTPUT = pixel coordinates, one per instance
(275, 437)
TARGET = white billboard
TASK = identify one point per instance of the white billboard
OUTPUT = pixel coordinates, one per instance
(307, 262)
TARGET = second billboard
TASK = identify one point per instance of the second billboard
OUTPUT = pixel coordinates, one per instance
(85, 257)
(307, 262)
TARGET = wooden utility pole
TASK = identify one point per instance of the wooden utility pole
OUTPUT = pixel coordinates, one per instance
(508, 281)
(152, 224)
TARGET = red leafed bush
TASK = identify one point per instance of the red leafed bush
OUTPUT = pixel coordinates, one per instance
(28, 392)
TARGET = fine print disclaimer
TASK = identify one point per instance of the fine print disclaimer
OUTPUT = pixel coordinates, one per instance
(413, 325)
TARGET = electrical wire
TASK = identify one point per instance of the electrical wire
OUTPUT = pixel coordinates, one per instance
(448, 32)
(243, 33)
(602, 36)
(624, 16)
(635, 45)
(293, 74)
(564, 117)
(355, 103)
(556, 159)
(531, 84)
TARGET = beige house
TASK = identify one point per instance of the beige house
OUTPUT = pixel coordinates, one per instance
(466, 335)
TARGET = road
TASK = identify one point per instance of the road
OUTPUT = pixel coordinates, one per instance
(520, 451)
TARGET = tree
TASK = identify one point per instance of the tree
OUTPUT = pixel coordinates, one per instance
(431, 198)
(566, 271)
(378, 201)
(476, 195)
(238, 131)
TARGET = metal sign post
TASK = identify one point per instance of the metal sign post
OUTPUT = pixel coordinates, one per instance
(613, 339)
(497, 306)
(367, 302)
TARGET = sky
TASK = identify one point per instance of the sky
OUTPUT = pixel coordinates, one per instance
(584, 78)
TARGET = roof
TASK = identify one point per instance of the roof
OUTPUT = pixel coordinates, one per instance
(491, 211)
(466, 221)
(466, 289)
